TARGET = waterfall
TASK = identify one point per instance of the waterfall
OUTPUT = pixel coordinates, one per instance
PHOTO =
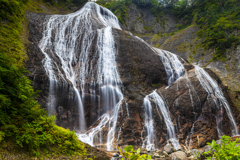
(173, 67)
(215, 92)
(163, 110)
(69, 39)
(149, 142)
(80, 54)
(174, 70)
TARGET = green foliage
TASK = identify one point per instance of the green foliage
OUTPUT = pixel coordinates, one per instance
(197, 155)
(79, 2)
(118, 7)
(73, 3)
(22, 121)
(11, 17)
(131, 154)
(228, 149)
(218, 21)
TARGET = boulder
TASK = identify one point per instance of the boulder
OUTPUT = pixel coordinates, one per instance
(168, 149)
(179, 155)
(156, 155)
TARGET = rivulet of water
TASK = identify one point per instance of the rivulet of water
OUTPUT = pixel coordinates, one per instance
(162, 109)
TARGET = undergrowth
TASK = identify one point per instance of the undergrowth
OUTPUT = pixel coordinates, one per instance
(22, 121)
(228, 149)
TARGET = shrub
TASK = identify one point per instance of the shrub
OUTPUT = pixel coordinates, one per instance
(131, 154)
(22, 121)
(227, 150)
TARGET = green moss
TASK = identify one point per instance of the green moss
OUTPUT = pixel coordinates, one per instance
(139, 19)
(148, 28)
(119, 8)
(156, 85)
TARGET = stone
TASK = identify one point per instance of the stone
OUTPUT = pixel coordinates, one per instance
(156, 155)
(116, 155)
(179, 155)
(159, 152)
(144, 149)
(206, 149)
(219, 142)
(194, 152)
(168, 149)
(143, 152)
(165, 153)
(192, 158)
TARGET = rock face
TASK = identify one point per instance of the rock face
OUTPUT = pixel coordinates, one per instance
(195, 117)
(184, 44)
(141, 20)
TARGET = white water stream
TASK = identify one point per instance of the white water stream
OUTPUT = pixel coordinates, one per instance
(215, 92)
(63, 37)
(163, 110)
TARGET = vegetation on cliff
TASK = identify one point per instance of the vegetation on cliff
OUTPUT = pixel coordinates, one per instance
(218, 19)
(22, 121)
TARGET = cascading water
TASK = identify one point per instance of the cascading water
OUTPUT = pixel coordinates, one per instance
(149, 142)
(162, 109)
(174, 70)
(215, 92)
(64, 36)
(173, 67)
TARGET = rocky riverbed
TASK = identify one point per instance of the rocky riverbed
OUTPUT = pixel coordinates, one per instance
(169, 153)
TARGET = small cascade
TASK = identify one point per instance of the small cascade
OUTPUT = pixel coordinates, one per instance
(215, 92)
(173, 67)
(149, 142)
(162, 109)
(174, 70)
(68, 40)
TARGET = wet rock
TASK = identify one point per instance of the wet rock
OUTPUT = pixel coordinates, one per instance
(168, 149)
(179, 155)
